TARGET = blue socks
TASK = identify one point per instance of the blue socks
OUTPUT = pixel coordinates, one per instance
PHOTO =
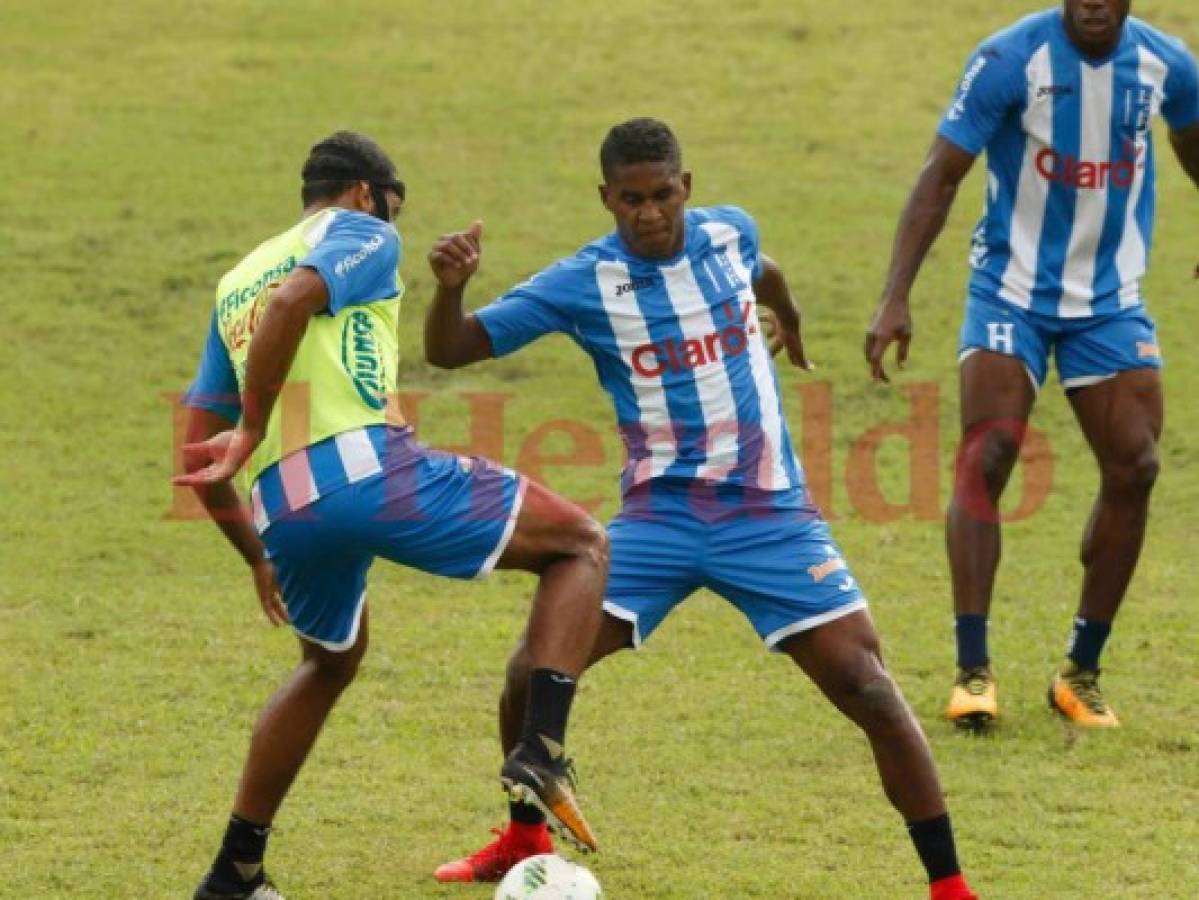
(1086, 643)
(971, 632)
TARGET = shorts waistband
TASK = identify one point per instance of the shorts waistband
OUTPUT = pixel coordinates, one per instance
(303, 477)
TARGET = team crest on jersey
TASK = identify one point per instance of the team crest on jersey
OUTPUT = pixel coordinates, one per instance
(362, 360)
(1138, 108)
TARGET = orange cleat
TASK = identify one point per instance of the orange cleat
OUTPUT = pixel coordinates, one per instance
(974, 703)
(1075, 694)
(551, 788)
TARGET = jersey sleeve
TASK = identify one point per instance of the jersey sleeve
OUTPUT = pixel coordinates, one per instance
(991, 85)
(537, 307)
(357, 257)
(1180, 108)
(215, 385)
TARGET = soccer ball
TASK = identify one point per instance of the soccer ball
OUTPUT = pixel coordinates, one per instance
(548, 877)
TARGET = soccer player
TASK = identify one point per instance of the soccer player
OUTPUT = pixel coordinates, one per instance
(301, 357)
(1063, 103)
(667, 307)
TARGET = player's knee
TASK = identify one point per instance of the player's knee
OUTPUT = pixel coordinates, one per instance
(593, 542)
(1134, 474)
(985, 462)
(339, 670)
(877, 703)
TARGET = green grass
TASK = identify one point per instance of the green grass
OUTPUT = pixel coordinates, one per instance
(149, 144)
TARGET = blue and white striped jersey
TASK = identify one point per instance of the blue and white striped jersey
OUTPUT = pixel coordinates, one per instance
(1070, 167)
(676, 344)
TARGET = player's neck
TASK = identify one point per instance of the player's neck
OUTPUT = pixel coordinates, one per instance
(1089, 47)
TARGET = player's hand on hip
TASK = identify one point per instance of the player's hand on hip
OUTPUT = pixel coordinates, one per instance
(780, 338)
(455, 257)
(892, 323)
(217, 459)
(266, 585)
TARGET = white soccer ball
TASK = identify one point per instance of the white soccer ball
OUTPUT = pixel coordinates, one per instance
(548, 877)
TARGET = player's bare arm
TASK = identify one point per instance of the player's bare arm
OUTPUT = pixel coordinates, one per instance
(921, 222)
(783, 320)
(226, 509)
(452, 338)
(1186, 147)
(272, 349)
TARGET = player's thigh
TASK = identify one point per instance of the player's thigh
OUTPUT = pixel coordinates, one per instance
(783, 571)
(548, 527)
(844, 660)
(322, 572)
(441, 513)
(655, 560)
(1003, 357)
(1122, 417)
(340, 664)
(1111, 370)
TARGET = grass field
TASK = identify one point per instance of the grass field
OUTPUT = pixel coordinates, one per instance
(147, 145)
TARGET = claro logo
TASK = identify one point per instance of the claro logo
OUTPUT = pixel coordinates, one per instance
(1073, 172)
(362, 360)
(658, 357)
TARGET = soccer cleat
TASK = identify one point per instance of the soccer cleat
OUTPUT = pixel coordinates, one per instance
(210, 891)
(1075, 694)
(973, 703)
(514, 843)
(551, 788)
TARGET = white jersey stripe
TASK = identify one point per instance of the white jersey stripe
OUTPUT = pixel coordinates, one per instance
(1032, 193)
(1131, 254)
(1090, 207)
(772, 472)
(630, 330)
(711, 381)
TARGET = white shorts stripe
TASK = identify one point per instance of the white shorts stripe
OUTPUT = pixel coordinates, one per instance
(776, 637)
(298, 485)
(358, 456)
(489, 564)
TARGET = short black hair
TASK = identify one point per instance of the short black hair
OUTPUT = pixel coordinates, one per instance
(638, 141)
(340, 161)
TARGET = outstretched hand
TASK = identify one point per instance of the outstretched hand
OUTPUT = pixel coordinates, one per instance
(455, 257)
(779, 338)
(892, 323)
(217, 459)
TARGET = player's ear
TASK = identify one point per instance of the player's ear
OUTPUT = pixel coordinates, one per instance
(603, 195)
(686, 185)
(364, 199)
